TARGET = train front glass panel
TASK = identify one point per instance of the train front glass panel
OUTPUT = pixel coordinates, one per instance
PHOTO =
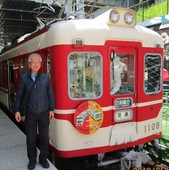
(122, 73)
(85, 75)
(152, 73)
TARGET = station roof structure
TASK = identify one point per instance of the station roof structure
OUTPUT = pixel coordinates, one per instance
(18, 17)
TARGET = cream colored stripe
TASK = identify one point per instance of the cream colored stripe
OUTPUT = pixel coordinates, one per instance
(109, 108)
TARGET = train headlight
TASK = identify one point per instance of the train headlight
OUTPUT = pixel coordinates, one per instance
(129, 18)
(122, 17)
(114, 16)
(123, 115)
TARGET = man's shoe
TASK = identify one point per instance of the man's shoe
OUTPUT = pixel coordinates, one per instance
(44, 163)
(31, 165)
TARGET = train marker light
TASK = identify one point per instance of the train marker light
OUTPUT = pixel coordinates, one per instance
(158, 45)
(78, 42)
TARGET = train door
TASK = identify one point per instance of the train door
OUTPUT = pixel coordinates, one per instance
(123, 89)
(11, 93)
(16, 68)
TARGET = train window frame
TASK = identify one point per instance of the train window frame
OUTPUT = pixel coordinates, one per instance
(145, 78)
(97, 88)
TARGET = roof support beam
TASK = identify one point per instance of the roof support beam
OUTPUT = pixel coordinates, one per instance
(15, 19)
(22, 11)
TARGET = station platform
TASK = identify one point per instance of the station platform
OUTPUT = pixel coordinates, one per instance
(13, 155)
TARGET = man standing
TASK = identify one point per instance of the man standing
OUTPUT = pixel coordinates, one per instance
(40, 106)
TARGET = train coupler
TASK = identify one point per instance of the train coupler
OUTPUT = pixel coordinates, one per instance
(133, 159)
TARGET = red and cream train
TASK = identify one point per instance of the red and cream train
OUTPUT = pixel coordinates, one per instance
(106, 74)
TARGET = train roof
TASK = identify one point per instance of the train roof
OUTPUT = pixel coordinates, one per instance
(97, 31)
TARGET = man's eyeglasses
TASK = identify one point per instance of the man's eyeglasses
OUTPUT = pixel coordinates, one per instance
(38, 63)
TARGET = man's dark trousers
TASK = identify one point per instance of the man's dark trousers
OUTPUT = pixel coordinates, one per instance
(33, 124)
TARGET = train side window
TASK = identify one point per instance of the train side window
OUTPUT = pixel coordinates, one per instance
(121, 73)
(152, 73)
(3, 75)
(85, 75)
(23, 66)
(48, 64)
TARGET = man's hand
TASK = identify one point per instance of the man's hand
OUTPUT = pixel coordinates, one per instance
(18, 116)
(51, 115)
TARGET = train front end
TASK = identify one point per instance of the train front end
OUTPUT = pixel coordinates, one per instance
(107, 76)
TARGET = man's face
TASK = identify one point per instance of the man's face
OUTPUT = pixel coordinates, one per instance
(35, 64)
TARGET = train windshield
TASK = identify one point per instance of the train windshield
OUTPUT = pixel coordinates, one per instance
(85, 75)
(121, 73)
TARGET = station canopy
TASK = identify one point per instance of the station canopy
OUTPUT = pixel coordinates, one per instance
(19, 17)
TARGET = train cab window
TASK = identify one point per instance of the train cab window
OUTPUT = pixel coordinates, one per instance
(152, 74)
(121, 73)
(85, 75)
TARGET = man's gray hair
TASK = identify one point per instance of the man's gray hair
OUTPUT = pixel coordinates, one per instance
(34, 55)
